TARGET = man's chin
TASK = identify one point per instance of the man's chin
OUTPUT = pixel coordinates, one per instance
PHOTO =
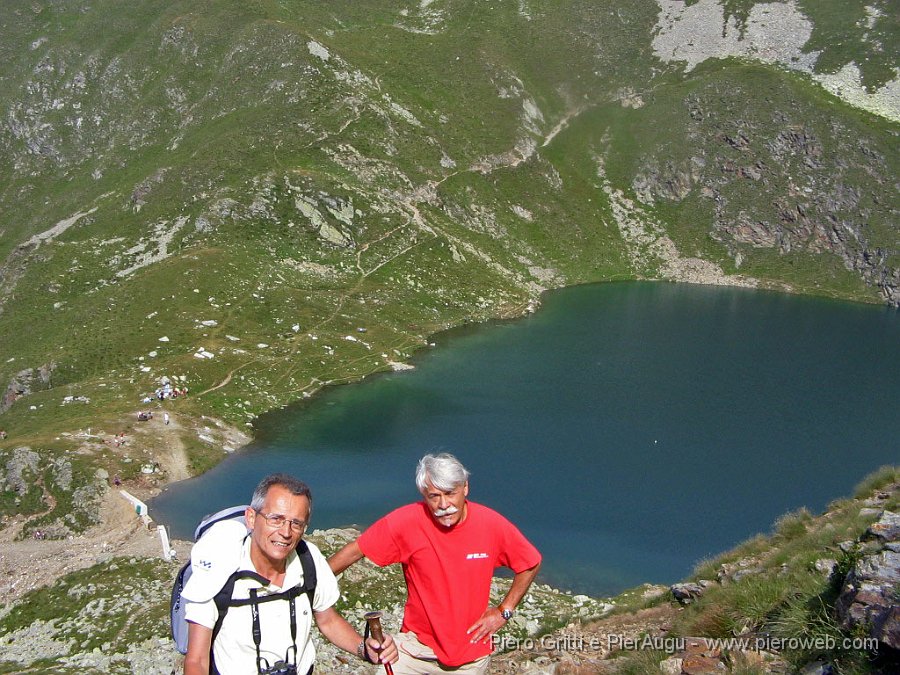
(279, 551)
(447, 521)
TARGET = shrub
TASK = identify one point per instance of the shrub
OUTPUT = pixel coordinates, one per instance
(793, 525)
(882, 477)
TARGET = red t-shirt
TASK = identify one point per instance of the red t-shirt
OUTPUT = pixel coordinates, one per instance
(448, 572)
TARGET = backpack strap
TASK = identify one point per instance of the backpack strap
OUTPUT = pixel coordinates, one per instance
(309, 572)
(262, 665)
(224, 601)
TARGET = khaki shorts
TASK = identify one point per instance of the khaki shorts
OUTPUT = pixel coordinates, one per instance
(419, 659)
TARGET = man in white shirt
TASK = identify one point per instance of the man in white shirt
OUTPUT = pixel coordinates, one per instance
(254, 638)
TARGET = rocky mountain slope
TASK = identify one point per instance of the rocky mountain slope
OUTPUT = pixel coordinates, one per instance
(192, 190)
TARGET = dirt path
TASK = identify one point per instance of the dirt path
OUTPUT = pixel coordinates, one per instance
(30, 564)
(166, 441)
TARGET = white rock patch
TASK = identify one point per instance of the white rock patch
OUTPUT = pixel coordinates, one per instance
(318, 50)
(58, 229)
(774, 33)
(159, 246)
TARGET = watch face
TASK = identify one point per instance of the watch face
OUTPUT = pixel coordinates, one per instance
(506, 614)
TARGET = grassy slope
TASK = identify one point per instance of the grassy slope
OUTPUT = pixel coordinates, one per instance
(203, 125)
(785, 596)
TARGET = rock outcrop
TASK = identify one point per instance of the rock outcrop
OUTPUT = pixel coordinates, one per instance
(870, 597)
(25, 382)
(700, 656)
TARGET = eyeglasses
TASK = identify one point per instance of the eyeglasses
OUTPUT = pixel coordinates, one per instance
(277, 520)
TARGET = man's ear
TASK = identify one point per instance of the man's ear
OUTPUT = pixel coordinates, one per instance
(250, 517)
(466, 489)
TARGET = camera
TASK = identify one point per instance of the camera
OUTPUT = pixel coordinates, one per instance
(280, 668)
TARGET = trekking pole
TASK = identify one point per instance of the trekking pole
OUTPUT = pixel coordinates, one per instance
(373, 621)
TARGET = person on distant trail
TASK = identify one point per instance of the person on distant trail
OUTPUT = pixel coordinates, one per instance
(449, 548)
(270, 637)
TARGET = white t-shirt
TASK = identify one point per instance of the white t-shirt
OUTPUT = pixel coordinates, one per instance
(234, 651)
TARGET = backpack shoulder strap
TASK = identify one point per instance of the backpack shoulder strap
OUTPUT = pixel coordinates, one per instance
(224, 600)
(309, 571)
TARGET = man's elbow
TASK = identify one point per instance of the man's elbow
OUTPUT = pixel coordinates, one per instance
(196, 661)
(196, 666)
(530, 572)
(328, 621)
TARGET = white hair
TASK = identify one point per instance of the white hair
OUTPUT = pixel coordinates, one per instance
(443, 471)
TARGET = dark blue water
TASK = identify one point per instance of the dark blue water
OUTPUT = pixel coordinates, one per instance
(629, 430)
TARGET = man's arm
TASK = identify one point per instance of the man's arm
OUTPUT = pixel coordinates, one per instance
(341, 634)
(491, 621)
(348, 555)
(196, 661)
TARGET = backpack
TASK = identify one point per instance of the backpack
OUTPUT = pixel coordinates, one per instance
(223, 599)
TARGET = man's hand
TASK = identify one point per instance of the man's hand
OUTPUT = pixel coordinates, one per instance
(336, 629)
(386, 652)
(489, 623)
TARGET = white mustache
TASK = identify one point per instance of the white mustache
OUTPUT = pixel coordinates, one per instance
(449, 511)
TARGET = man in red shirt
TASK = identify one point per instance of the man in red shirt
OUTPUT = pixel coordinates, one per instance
(449, 548)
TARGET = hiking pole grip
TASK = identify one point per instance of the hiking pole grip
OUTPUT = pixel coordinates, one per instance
(373, 621)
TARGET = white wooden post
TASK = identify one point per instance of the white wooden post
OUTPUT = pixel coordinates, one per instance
(168, 552)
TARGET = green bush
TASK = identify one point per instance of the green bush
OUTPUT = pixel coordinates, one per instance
(884, 476)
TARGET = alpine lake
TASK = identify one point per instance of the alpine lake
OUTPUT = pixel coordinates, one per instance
(628, 429)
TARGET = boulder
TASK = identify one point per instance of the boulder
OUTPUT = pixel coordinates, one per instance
(868, 598)
(21, 470)
(671, 666)
(737, 570)
(686, 593)
(699, 656)
(886, 529)
(699, 664)
(825, 566)
(25, 382)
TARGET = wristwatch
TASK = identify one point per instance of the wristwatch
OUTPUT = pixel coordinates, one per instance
(507, 614)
